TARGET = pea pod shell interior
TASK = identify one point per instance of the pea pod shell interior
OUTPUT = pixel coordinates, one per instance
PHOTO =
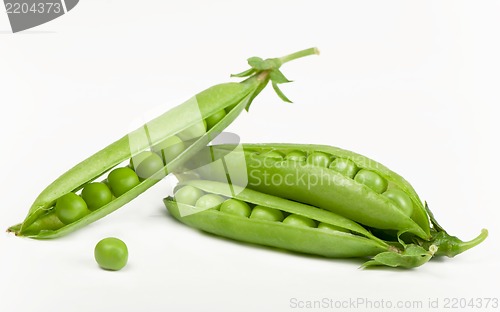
(175, 120)
(331, 191)
(276, 234)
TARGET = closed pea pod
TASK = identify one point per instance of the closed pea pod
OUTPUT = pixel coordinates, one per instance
(176, 136)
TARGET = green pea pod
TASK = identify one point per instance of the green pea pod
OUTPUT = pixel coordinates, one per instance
(311, 174)
(347, 240)
(183, 120)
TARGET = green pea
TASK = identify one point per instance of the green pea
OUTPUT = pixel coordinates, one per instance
(149, 166)
(331, 227)
(401, 200)
(169, 148)
(296, 156)
(194, 132)
(319, 159)
(344, 166)
(236, 207)
(209, 201)
(215, 118)
(111, 254)
(96, 195)
(266, 213)
(300, 221)
(139, 158)
(70, 208)
(122, 180)
(188, 195)
(273, 155)
(372, 180)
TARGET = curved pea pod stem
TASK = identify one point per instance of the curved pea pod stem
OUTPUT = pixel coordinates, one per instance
(357, 243)
(319, 186)
(231, 97)
(446, 244)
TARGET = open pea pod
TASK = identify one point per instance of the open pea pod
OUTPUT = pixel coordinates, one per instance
(333, 179)
(250, 216)
(157, 148)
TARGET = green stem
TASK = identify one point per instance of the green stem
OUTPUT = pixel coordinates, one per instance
(298, 54)
(463, 246)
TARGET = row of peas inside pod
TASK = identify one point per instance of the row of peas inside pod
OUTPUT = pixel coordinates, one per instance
(190, 195)
(327, 177)
(347, 168)
(147, 165)
(246, 215)
(343, 182)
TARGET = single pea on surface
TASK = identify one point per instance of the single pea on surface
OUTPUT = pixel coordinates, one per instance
(70, 208)
(111, 254)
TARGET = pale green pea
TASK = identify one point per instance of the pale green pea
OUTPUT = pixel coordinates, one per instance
(209, 201)
(266, 213)
(236, 207)
(300, 221)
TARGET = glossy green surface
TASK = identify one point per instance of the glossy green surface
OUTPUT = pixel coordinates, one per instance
(188, 195)
(96, 195)
(236, 208)
(344, 166)
(70, 208)
(212, 120)
(266, 214)
(330, 227)
(299, 221)
(371, 179)
(111, 254)
(319, 159)
(209, 201)
(169, 149)
(296, 156)
(319, 186)
(401, 200)
(295, 235)
(232, 98)
(122, 180)
(149, 167)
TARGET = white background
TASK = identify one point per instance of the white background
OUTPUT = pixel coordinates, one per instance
(412, 84)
